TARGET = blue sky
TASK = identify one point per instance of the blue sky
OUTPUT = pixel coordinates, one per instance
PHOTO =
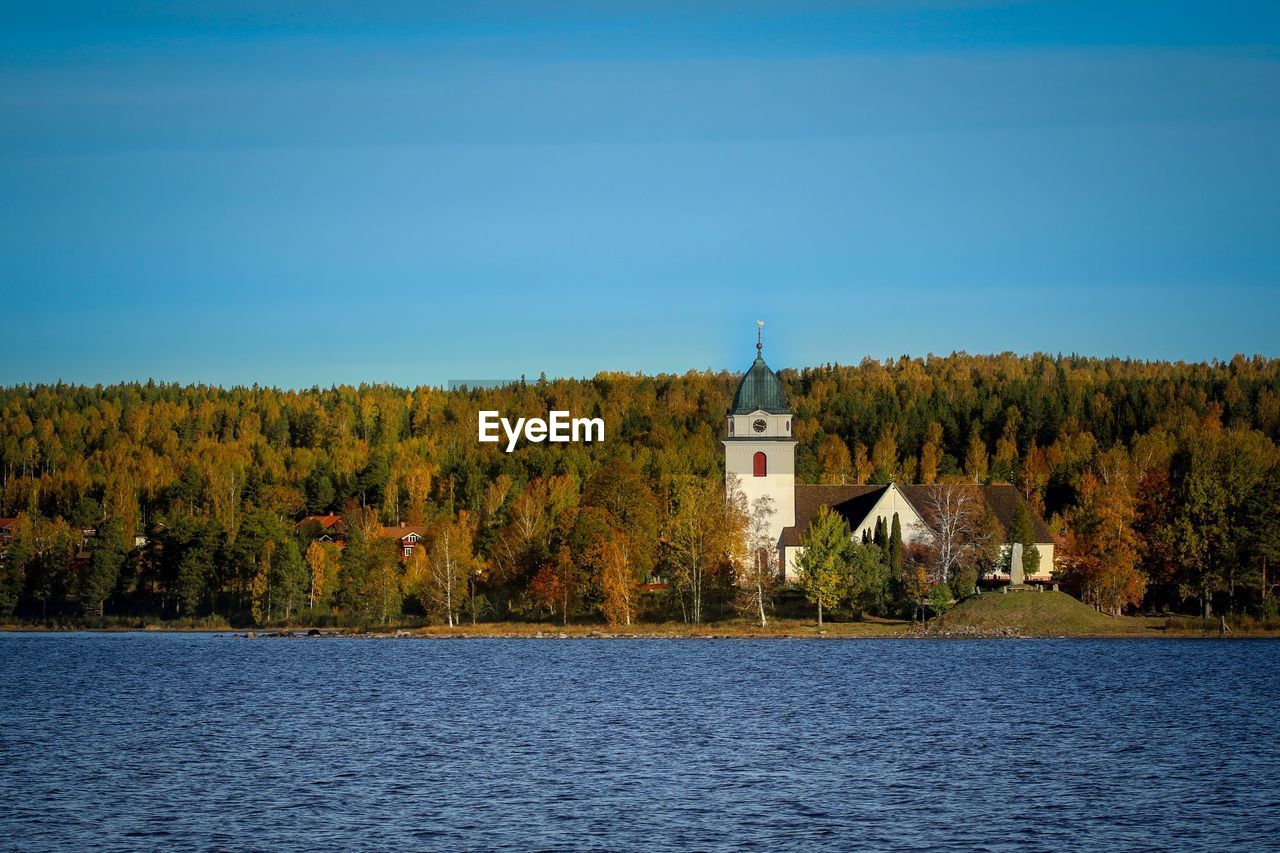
(307, 193)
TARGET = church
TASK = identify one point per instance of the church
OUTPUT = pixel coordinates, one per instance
(760, 455)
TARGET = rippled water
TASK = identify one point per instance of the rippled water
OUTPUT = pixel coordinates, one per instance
(138, 741)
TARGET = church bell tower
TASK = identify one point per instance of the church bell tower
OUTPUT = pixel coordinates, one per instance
(759, 450)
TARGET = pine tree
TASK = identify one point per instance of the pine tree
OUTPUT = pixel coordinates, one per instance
(881, 538)
(106, 560)
(897, 550)
(290, 578)
(1022, 531)
(867, 581)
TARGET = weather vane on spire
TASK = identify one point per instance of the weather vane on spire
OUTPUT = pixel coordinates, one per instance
(759, 333)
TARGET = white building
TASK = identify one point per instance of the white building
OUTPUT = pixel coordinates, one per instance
(760, 459)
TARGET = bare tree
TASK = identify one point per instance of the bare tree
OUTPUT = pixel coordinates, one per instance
(955, 513)
(759, 571)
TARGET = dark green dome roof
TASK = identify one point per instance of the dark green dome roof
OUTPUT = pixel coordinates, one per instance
(760, 389)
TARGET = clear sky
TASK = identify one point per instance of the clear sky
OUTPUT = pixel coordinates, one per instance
(307, 193)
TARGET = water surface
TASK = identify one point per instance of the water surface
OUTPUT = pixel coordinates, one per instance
(137, 741)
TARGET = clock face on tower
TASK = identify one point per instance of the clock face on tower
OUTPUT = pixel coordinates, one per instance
(759, 425)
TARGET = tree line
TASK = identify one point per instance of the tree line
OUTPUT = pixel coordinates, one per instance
(1159, 481)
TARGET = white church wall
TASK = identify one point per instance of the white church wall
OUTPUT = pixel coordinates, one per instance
(893, 501)
(779, 480)
(1046, 549)
(789, 556)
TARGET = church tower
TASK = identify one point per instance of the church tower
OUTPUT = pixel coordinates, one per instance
(759, 450)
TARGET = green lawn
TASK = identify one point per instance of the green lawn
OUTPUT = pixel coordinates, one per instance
(1056, 614)
(1038, 613)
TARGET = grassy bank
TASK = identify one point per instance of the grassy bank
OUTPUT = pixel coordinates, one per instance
(724, 628)
(1056, 614)
(1016, 614)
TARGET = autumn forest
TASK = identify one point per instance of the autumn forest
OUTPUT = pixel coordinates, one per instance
(1159, 481)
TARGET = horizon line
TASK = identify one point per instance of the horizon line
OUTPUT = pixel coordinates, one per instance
(525, 378)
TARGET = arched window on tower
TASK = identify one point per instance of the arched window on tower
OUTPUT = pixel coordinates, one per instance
(758, 464)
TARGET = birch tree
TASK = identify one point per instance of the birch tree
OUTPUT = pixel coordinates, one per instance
(955, 512)
(318, 569)
(836, 463)
(618, 586)
(701, 532)
(449, 564)
(759, 573)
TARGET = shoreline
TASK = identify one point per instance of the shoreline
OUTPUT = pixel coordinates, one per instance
(833, 631)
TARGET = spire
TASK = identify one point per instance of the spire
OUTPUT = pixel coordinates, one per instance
(760, 388)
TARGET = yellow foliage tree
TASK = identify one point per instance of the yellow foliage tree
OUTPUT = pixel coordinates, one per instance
(837, 465)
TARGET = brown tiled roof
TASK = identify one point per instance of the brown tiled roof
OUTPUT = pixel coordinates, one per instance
(8, 522)
(855, 502)
(1002, 499)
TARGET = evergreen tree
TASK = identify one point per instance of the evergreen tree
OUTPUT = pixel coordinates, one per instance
(320, 490)
(195, 567)
(13, 566)
(867, 583)
(895, 546)
(882, 539)
(896, 583)
(1262, 545)
(1022, 530)
(106, 560)
(353, 575)
(290, 579)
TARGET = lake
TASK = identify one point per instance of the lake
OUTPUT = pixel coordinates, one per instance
(141, 741)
